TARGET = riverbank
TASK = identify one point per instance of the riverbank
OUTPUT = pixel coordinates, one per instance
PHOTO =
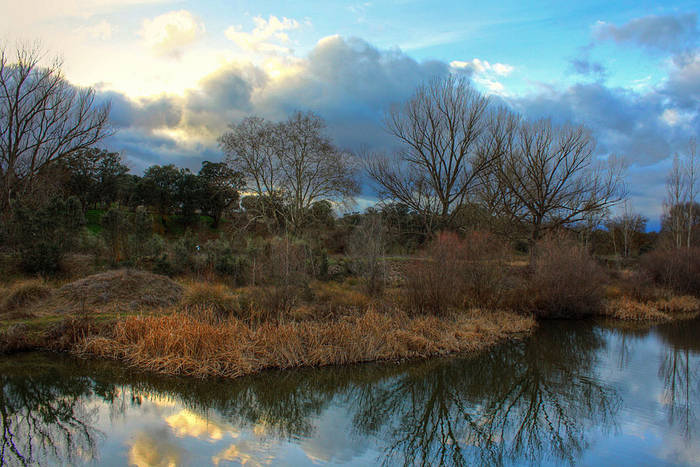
(200, 329)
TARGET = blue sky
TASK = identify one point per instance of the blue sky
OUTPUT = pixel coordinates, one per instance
(178, 72)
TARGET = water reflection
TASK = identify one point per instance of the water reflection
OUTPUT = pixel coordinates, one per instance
(560, 397)
(680, 372)
(530, 402)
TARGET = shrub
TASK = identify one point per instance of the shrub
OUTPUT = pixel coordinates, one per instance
(184, 250)
(565, 280)
(24, 293)
(211, 302)
(456, 273)
(674, 268)
(366, 248)
(43, 234)
(285, 268)
(221, 258)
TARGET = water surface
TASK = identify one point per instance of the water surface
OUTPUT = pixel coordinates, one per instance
(573, 393)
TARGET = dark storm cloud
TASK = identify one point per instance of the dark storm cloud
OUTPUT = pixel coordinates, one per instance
(351, 84)
(346, 81)
(668, 33)
(583, 65)
(626, 123)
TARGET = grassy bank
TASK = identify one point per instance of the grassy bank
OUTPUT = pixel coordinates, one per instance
(181, 344)
(202, 328)
(199, 329)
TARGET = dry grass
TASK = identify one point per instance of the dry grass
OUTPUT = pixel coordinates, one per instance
(213, 302)
(679, 304)
(135, 288)
(335, 297)
(21, 295)
(665, 309)
(180, 344)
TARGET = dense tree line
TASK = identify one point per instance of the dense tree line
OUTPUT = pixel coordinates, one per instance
(462, 164)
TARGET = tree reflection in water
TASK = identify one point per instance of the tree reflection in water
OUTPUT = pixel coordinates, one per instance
(44, 415)
(531, 401)
(680, 373)
(527, 401)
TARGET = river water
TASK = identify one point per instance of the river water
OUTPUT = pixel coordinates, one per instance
(573, 393)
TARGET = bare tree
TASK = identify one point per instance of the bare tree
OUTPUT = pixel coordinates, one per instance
(252, 148)
(691, 175)
(676, 194)
(441, 156)
(313, 168)
(367, 248)
(292, 162)
(629, 224)
(42, 119)
(547, 176)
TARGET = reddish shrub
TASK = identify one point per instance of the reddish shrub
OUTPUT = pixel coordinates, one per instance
(675, 268)
(456, 273)
(565, 280)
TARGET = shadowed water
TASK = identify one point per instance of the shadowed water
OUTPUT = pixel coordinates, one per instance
(573, 393)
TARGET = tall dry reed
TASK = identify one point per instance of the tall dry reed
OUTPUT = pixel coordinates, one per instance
(181, 344)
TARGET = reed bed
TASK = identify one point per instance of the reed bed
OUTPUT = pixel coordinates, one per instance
(180, 344)
(663, 309)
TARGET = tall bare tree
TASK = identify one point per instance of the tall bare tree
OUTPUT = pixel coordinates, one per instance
(441, 153)
(676, 194)
(43, 118)
(547, 176)
(691, 174)
(291, 161)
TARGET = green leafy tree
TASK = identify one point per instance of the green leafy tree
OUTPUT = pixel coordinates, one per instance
(94, 175)
(221, 186)
(159, 187)
(43, 236)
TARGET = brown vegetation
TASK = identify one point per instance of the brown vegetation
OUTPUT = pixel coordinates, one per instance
(675, 268)
(126, 286)
(456, 273)
(23, 294)
(564, 281)
(181, 344)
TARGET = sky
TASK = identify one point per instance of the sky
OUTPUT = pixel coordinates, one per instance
(179, 72)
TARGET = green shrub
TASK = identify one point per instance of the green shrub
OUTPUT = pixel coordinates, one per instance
(43, 235)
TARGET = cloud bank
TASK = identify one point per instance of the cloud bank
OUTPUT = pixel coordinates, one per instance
(351, 83)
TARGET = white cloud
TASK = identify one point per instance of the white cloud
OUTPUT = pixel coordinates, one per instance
(268, 36)
(485, 74)
(170, 33)
(102, 30)
(483, 67)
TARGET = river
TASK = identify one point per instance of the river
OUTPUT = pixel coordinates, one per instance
(573, 393)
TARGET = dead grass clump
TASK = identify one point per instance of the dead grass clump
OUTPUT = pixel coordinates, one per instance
(15, 338)
(180, 344)
(211, 301)
(679, 304)
(135, 288)
(23, 294)
(663, 309)
(70, 332)
(629, 309)
(336, 297)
